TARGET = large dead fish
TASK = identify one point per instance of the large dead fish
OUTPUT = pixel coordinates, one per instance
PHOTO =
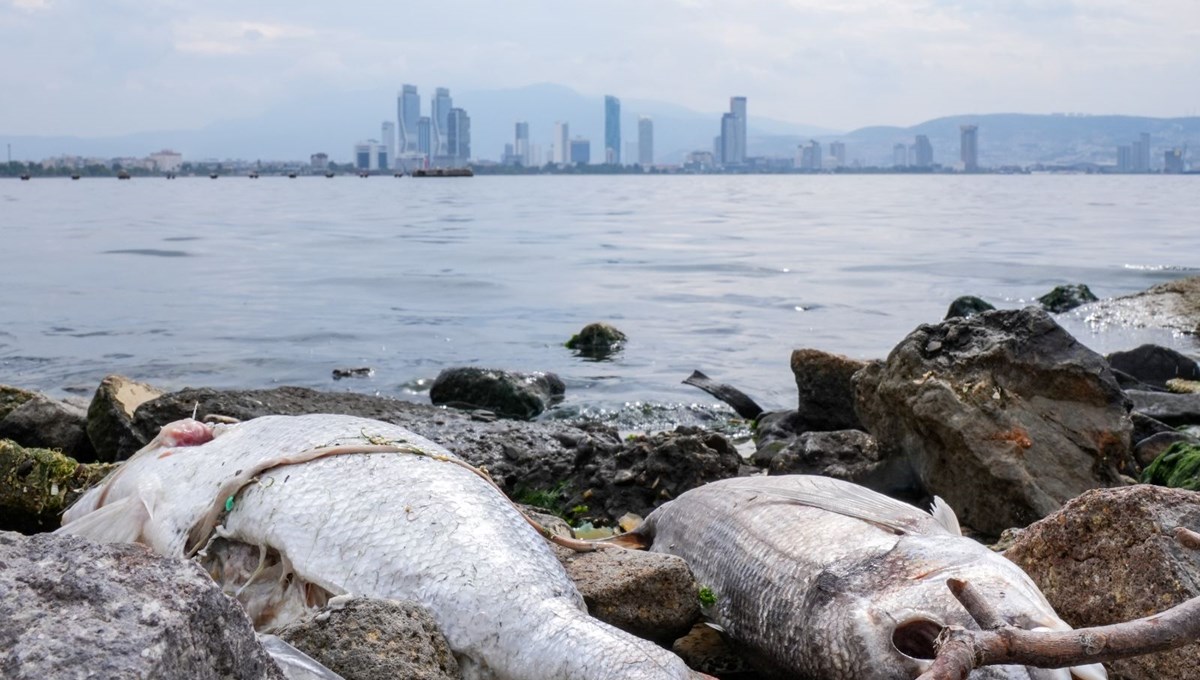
(826, 580)
(283, 516)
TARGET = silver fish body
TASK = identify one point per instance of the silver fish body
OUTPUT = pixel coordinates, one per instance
(409, 526)
(821, 579)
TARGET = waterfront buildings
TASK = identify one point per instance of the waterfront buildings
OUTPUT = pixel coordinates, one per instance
(899, 155)
(370, 155)
(388, 132)
(922, 152)
(439, 116)
(424, 136)
(581, 151)
(319, 161)
(1173, 161)
(1135, 157)
(562, 143)
(645, 142)
(521, 150)
(458, 137)
(408, 115)
(837, 150)
(167, 160)
(732, 141)
(612, 130)
(969, 147)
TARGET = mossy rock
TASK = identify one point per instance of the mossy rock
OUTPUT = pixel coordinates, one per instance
(1178, 467)
(37, 485)
(597, 341)
(11, 398)
(968, 305)
(1064, 298)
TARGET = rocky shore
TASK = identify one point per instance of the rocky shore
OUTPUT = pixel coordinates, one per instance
(1062, 455)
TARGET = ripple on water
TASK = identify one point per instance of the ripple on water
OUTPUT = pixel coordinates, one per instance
(149, 252)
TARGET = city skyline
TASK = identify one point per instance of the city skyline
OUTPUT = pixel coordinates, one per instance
(124, 67)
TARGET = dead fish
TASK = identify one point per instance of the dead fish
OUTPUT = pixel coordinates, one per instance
(822, 579)
(286, 519)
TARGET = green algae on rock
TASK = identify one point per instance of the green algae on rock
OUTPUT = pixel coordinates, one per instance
(1178, 467)
(36, 485)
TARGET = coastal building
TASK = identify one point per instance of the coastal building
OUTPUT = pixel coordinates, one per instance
(837, 151)
(319, 161)
(521, 152)
(645, 142)
(167, 160)
(1173, 161)
(1140, 150)
(425, 136)
(899, 155)
(612, 130)
(388, 132)
(408, 115)
(922, 152)
(370, 155)
(700, 161)
(969, 147)
(581, 151)
(458, 137)
(730, 148)
(1125, 158)
(439, 115)
(562, 143)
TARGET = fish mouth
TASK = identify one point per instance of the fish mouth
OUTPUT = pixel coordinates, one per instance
(915, 638)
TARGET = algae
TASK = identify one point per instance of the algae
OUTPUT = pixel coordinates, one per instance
(1178, 467)
(37, 485)
(707, 597)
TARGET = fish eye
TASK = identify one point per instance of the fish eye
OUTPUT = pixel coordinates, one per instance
(914, 638)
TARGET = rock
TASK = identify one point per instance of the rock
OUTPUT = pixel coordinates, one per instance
(826, 391)
(773, 431)
(1173, 305)
(37, 485)
(12, 397)
(1144, 426)
(1150, 448)
(1172, 409)
(358, 372)
(70, 608)
(1003, 414)
(1109, 556)
(110, 417)
(968, 305)
(1155, 365)
(650, 595)
(511, 395)
(42, 422)
(597, 341)
(1067, 297)
(1177, 467)
(850, 455)
(704, 649)
(367, 639)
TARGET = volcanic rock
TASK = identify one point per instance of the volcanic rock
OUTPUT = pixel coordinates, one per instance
(42, 422)
(1067, 297)
(1155, 365)
(110, 417)
(1169, 408)
(968, 305)
(510, 395)
(826, 392)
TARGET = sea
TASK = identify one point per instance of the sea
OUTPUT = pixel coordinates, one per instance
(258, 283)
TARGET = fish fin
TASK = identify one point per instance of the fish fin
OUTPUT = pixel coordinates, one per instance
(120, 521)
(632, 540)
(852, 500)
(1092, 671)
(944, 514)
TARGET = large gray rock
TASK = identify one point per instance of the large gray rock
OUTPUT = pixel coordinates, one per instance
(110, 417)
(1003, 414)
(12, 397)
(1174, 305)
(823, 381)
(47, 423)
(367, 639)
(651, 595)
(1109, 556)
(850, 455)
(37, 485)
(1167, 407)
(1154, 365)
(508, 394)
(70, 608)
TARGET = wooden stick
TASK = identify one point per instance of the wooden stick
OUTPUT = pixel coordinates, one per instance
(959, 650)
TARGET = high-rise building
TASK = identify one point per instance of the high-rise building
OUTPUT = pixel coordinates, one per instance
(838, 151)
(1125, 158)
(425, 136)
(1144, 152)
(562, 143)
(458, 137)
(645, 142)
(521, 151)
(731, 149)
(1173, 161)
(899, 155)
(581, 151)
(388, 130)
(969, 147)
(319, 161)
(612, 130)
(408, 115)
(922, 152)
(370, 155)
(439, 116)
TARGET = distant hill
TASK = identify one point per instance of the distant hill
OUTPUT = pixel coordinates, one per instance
(333, 123)
(1026, 139)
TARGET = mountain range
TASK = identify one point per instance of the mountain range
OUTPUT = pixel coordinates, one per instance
(333, 123)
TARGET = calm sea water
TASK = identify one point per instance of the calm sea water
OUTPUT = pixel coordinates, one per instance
(243, 283)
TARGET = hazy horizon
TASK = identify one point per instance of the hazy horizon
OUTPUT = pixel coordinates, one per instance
(105, 69)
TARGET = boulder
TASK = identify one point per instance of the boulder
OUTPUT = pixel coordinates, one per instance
(1144, 426)
(1150, 448)
(37, 485)
(42, 422)
(1167, 407)
(1066, 297)
(1003, 414)
(510, 395)
(826, 391)
(1154, 365)
(1109, 556)
(1177, 467)
(650, 595)
(968, 305)
(12, 397)
(70, 608)
(1174, 305)
(850, 455)
(597, 341)
(110, 417)
(366, 639)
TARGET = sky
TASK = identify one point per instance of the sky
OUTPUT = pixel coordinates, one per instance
(104, 67)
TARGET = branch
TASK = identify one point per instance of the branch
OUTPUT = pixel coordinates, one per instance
(959, 650)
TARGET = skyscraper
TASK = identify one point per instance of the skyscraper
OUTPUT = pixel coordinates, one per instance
(439, 116)
(838, 151)
(612, 130)
(562, 143)
(969, 147)
(645, 142)
(923, 152)
(899, 155)
(388, 130)
(521, 149)
(581, 151)
(732, 145)
(408, 115)
(1141, 153)
(458, 137)
(425, 136)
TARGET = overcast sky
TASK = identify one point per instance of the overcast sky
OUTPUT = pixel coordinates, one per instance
(100, 67)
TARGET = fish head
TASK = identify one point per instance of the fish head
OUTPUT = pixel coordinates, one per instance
(890, 611)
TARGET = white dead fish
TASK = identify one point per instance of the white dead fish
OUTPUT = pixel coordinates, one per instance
(822, 579)
(302, 521)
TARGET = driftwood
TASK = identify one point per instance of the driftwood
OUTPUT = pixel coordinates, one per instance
(959, 650)
(743, 405)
